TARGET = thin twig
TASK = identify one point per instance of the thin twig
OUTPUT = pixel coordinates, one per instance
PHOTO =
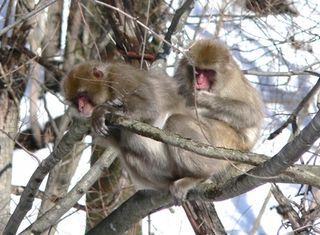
(145, 36)
(21, 146)
(27, 16)
(257, 221)
(138, 22)
(49, 66)
(172, 28)
(293, 116)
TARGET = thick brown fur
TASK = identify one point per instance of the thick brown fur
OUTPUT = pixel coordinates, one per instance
(229, 104)
(150, 98)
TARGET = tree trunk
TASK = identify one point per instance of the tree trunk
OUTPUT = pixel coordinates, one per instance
(8, 126)
(203, 218)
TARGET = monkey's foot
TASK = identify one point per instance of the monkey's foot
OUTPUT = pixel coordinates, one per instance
(180, 188)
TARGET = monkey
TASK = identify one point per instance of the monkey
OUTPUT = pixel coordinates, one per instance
(210, 80)
(96, 89)
(212, 84)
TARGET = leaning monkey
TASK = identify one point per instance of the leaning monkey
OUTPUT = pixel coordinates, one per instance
(96, 89)
(212, 84)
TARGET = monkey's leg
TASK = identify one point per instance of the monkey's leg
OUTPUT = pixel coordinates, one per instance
(193, 169)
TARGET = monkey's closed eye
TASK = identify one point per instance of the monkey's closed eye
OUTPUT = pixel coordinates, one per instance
(82, 94)
(97, 73)
(207, 72)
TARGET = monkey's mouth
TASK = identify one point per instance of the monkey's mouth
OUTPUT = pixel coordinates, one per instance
(203, 79)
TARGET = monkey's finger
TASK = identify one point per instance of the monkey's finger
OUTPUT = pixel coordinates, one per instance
(102, 132)
(105, 130)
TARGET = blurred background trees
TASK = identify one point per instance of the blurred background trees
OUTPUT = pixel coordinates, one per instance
(275, 42)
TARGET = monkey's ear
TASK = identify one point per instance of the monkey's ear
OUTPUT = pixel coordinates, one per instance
(97, 73)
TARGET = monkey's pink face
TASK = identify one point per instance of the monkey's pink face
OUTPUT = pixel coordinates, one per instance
(84, 105)
(204, 79)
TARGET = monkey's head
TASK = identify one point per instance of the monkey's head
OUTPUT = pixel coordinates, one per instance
(86, 87)
(209, 60)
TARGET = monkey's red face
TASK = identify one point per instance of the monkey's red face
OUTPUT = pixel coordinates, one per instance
(204, 78)
(84, 105)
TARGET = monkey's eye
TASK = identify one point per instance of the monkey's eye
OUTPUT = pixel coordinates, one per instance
(205, 72)
(211, 72)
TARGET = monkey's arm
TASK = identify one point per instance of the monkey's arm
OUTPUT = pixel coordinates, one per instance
(236, 113)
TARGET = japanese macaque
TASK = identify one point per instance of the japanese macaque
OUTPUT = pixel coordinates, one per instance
(96, 89)
(210, 80)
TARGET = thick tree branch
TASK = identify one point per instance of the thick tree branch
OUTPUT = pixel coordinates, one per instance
(146, 201)
(151, 201)
(76, 132)
(203, 218)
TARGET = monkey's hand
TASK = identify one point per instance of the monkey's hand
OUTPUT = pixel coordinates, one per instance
(205, 98)
(103, 113)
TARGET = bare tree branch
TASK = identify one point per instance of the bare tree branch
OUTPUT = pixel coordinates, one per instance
(137, 21)
(62, 206)
(76, 132)
(146, 201)
(18, 190)
(185, 143)
(300, 106)
(151, 201)
(27, 16)
(187, 6)
(287, 209)
(49, 66)
(203, 218)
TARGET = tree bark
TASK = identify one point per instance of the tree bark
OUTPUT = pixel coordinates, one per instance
(8, 128)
